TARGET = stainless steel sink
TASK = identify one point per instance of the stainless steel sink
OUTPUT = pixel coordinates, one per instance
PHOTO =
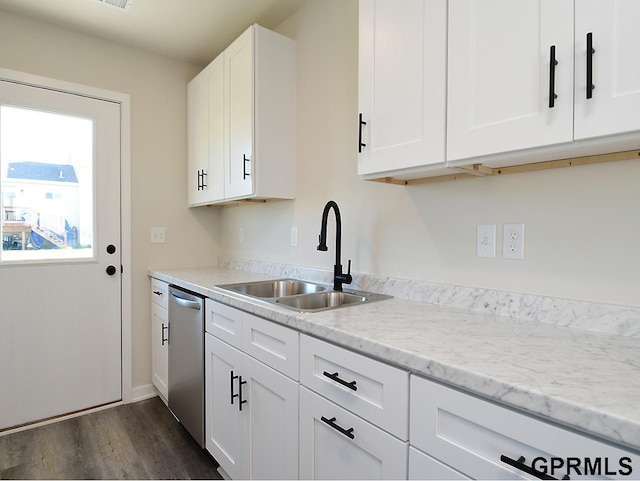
(302, 296)
(275, 288)
(321, 300)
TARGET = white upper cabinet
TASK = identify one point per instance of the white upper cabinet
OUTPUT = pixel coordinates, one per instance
(401, 85)
(614, 102)
(242, 131)
(238, 122)
(503, 81)
(205, 135)
(466, 86)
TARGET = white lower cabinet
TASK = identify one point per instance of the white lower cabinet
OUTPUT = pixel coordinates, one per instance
(368, 388)
(223, 417)
(336, 444)
(251, 409)
(353, 414)
(353, 417)
(160, 337)
(484, 440)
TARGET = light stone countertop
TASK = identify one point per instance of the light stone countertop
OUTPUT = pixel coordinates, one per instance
(588, 381)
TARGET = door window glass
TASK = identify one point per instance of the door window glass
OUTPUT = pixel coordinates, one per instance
(46, 189)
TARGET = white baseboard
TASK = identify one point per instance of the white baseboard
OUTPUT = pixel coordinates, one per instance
(140, 393)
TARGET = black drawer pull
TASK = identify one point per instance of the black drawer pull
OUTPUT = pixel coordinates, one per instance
(157, 293)
(590, 52)
(164, 339)
(240, 384)
(331, 422)
(552, 76)
(233, 378)
(245, 174)
(360, 124)
(335, 377)
(519, 464)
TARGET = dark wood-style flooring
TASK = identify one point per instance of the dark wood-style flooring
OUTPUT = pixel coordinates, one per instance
(135, 441)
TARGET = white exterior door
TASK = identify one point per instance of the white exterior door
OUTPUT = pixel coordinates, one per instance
(499, 76)
(401, 84)
(60, 263)
(612, 105)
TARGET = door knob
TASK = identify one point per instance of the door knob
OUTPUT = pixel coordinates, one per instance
(111, 249)
(111, 270)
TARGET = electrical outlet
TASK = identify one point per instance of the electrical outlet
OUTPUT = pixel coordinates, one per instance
(294, 237)
(241, 235)
(513, 241)
(486, 240)
(158, 235)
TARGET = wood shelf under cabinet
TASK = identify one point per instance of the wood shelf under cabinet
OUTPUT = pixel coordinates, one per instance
(481, 170)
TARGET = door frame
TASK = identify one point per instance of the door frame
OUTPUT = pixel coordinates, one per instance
(124, 100)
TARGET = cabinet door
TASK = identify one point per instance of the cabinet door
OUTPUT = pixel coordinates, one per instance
(205, 174)
(270, 423)
(402, 84)
(160, 349)
(499, 76)
(615, 70)
(336, 444)
(238, 92)
(223, 427)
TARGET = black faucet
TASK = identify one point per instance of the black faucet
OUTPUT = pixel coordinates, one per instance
(339, 277)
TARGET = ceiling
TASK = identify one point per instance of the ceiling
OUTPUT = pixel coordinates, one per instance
(194, 31)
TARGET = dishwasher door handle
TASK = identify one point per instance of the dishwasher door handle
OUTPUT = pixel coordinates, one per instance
(186, 302)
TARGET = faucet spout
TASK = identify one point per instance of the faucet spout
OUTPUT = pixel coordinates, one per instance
(339, 277)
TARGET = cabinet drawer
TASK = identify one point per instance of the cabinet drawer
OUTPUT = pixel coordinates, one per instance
(471, 434)
(423, 466)
(376, 391)
(160, 293)
(224, 322)
(275, 345)
(328, 452)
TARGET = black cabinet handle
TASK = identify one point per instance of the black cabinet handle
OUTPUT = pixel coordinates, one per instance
(552, 76)
(519, 464)
(157, 293)
(244, 167)
(201, 175)
(331, 422)
(162, 334)
(360, 124)
(335, 377)
(242, 401)
(590, 52)
(233, 378)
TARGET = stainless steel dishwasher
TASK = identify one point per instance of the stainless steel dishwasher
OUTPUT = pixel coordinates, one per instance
(186, 360)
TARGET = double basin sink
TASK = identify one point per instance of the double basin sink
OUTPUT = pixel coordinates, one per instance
(302, 296)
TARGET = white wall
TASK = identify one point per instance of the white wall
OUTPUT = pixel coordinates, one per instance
(157, 87)
(582, 229)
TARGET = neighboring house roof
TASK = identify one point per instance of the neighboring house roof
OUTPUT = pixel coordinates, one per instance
(42, 171)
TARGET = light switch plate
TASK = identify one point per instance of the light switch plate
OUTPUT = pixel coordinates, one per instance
(486, 240)
(158, 235)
